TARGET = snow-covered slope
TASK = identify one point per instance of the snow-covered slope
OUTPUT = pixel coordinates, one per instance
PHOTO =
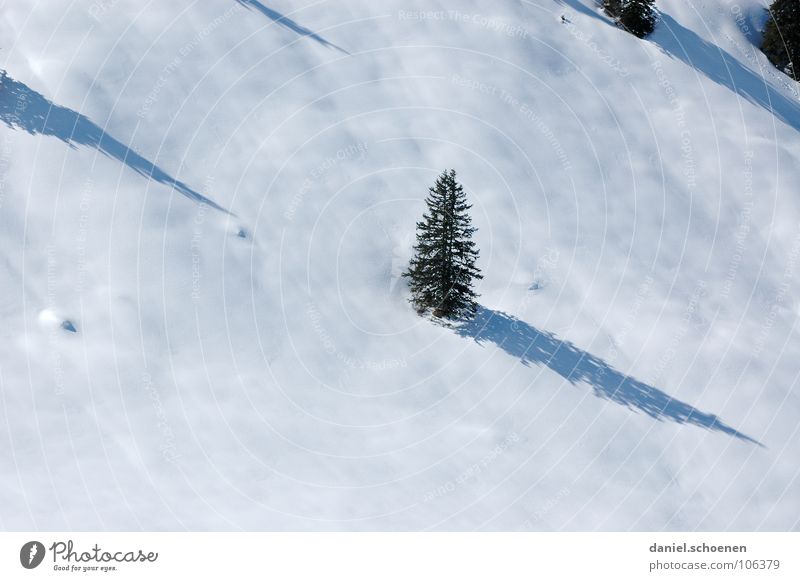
(221, 196)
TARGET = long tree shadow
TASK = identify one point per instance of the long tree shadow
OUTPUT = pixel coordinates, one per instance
(722, 68)
(23, 108)
(288, 23)
(531, 345)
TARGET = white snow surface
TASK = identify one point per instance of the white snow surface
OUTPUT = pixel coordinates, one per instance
(221, 195)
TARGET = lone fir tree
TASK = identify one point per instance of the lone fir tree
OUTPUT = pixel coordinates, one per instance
(443, 268)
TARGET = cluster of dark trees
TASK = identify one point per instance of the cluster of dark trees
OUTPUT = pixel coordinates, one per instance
(781, 41)
(636, 16)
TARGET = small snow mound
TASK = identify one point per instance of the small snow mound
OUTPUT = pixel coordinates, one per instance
(48, 318)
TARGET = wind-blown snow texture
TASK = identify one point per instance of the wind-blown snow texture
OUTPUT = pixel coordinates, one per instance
(220, 198)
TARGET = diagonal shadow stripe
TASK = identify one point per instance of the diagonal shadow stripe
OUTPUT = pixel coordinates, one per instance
(532, 346)
(23, 108)
(288, 23)
(718, 65)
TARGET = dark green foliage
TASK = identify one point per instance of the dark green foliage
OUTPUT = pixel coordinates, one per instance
(443, 268)
(638, 17)
(782, 37)
(613, 7)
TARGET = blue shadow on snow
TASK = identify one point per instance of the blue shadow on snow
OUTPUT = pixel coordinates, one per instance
(23, 108)
(722, 68)
(288, 23)
(532, 346)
